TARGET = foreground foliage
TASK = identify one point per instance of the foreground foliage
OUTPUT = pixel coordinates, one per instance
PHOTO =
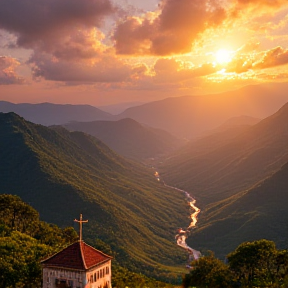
(252, 264)
(25, 241)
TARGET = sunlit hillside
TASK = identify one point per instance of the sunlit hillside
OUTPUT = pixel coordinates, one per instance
(63, 174)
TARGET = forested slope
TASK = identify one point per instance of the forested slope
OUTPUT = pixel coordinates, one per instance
(63, 174)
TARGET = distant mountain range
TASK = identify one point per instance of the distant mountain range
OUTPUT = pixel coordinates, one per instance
(54, 114)
(218, 166)
(184, 117)
(129, 138)
(118, 108)
(190, 116)
(63, 174)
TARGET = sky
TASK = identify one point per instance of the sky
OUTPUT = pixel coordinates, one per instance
(101, 52)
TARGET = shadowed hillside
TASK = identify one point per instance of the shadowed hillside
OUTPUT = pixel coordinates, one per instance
(62, 174)
(129, 138)
(216, 169)
(260, 212)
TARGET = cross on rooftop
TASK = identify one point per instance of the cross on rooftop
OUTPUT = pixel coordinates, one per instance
(80, 226)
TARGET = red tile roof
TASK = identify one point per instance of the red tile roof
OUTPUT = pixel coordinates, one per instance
(78, 256)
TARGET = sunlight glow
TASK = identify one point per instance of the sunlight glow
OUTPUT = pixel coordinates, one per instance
(223, 56)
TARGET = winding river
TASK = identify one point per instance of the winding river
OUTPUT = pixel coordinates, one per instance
(183, 234)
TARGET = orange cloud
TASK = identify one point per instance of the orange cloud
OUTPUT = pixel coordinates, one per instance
(274, 57)
(271, 3)
(173, 31)
(7, 71)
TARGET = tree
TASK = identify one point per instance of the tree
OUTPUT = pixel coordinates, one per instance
(17, 215)
(24, 241)
(281, 267)
(20, 260)
(253, 263)
(208, 272)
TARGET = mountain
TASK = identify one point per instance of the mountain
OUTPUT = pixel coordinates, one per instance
(118, 108)
(190, 116)
(129, 138)
(258, 213)
(216, 167)
(63, 174)
(240, 120)
(54, 114)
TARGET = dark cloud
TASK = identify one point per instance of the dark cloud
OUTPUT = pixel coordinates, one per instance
(107, 69)
(7, 71)
(43, 23)
(173, 31)
(64, 37)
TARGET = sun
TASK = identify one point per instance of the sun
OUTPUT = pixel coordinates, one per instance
(223, 56)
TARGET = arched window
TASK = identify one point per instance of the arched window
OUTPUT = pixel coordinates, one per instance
(91, 278)
(95, 277)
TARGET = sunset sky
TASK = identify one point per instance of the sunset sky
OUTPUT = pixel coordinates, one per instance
(101, 52)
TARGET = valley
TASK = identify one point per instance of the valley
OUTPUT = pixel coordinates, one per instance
(104, 169)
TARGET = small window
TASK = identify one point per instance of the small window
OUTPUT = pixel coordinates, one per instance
(95, 277)
(63, 283)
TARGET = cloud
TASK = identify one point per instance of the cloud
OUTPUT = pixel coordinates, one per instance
(49, 19)
(269, 3)
(172, 71)
(7, 71)
(272, 58)
(244, 60)
(105, 69)
(66, 29)
(173, 30)
(64, 37)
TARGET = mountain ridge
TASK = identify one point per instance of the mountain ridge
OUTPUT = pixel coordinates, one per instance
(129, 138)
(257, 213)
(190, 116)
(53, 114)
(234, 165)
(63, 173)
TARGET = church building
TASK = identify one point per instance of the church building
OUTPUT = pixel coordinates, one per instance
(77, 266)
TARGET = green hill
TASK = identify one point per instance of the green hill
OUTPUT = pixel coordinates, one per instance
(220, 165)
(260, 212)
(63, 174)
(129, 138)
